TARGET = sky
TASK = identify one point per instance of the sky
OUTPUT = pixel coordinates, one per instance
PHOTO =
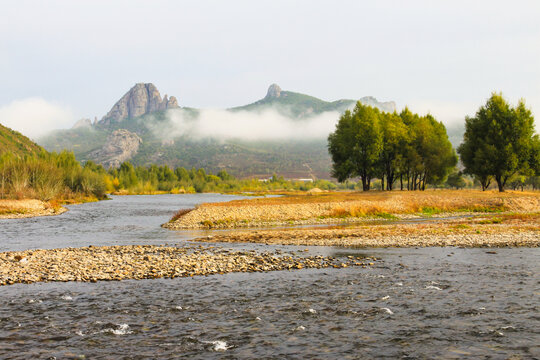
(65, 60)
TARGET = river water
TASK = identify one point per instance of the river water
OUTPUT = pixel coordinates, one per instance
(416, 303)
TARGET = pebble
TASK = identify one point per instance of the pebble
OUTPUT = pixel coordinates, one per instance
(96, 263)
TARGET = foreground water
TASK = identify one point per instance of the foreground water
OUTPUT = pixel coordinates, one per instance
(417, 303)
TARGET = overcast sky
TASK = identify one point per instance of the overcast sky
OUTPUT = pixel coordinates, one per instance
(64, 60)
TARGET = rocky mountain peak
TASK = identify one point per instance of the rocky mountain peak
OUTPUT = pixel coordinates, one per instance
(388, 106)
(274, 91)
(121, 145)
(141, 99)
(82, 123)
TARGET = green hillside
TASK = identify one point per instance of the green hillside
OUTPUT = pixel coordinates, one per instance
(296, 105)
(296, 159)
(14, 142)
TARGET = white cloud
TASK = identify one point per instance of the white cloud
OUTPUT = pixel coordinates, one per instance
(454, 113)
(267, 125)
(35, 117)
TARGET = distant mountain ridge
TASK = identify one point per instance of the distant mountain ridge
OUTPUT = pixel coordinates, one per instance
(302, 106)
(125, 133)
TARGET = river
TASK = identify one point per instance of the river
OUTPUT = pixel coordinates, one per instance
(415, 303)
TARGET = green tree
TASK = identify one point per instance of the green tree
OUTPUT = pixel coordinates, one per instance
(395, 138)
(127, 175)
(499, 142)
(456, 180)
(356, 144)
(534, 182)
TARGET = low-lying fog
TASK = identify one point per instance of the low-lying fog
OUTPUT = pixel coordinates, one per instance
(269, 124)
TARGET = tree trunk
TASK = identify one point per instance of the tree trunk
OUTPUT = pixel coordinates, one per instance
(408, 182)
(365, 183)
(390, 179)
(485, 184)
(401, 181)
(382, 183)
(500, 183)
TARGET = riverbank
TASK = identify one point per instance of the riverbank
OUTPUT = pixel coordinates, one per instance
(485, 231)
(27, 208)
(347, 207)
(16, 209)
(90, 264)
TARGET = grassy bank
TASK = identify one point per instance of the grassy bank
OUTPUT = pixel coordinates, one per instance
(352, 207)
(25, 208)
(10, 209)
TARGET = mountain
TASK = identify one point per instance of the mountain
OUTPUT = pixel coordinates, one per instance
(120, 146)
(140, 100)
(138, 128)
(298, 105)
(16, 143)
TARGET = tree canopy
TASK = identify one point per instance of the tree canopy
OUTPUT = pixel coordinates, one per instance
(368, 143)
(500, 142)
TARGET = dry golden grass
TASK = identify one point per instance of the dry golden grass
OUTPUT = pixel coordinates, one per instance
(506, 231)
(30, 208)
(359, 204)
(353, 206)
(180, 213)
(26, 206)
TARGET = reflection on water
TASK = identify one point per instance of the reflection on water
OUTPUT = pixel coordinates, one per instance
(416, 303)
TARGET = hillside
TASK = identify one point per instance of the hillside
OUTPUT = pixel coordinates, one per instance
(14, 142)
(138, 128)
(240, 158)
(298, 105)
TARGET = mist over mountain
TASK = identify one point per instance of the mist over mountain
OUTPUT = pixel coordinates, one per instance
(285, 132)
(299, 106)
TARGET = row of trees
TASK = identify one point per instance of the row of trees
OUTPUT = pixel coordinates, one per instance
(500, 143)
(48, 176)
(368, 144)
(139, 179)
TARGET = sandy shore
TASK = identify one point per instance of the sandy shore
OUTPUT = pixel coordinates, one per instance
(16, 209)
(147, 262)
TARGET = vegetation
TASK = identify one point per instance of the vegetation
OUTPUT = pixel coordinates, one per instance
(47, 176)
(14, 142)
(500, 143)
(155, 179)
(351, 207)
(296, 105)
(242, 158)
(455, 180)
(368, 143)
